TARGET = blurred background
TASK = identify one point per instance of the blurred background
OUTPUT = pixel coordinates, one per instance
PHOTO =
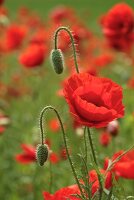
(25, 89)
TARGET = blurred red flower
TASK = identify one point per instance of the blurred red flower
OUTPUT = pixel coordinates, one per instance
(63, 153)
(54, 125)
(28, 154)
(64, 41)
(103, 60)
(80, 32)
(40, 37)
(61, 13)
(60, 93)
(33, 55)
(105, 139)
(93, 101)
(131, 83)
(125, 166)
(14, 37)
(54, 158)
(2, 129)
(76, 124)
(118, 26)
(63, 193)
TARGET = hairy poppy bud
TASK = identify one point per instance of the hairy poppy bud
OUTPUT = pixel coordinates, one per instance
(42, 154)
(57, 60)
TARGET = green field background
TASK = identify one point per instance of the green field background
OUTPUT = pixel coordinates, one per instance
(15, 179)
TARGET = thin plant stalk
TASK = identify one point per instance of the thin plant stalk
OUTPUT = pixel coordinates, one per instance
(65, 142)
(96, 162)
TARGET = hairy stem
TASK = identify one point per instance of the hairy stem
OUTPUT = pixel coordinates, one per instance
(65, 141)
(85, 144)
(95, 161)
(87, 177)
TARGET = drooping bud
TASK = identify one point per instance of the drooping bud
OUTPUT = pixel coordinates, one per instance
(113, 128)
(57, 60)
(42, 154)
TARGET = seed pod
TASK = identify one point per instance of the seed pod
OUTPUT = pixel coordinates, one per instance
(42, 154)
(57, 60)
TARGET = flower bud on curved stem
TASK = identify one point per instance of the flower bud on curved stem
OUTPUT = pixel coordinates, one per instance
(56, 54)
(57, 60)
(42, 154)
(42, 158)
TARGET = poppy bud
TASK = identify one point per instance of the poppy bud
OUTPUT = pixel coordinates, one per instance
(113, 128)
(42, 154)
(57, 60)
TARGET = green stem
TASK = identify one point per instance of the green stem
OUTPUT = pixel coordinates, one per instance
(72, 42)
(41, 125)
(65, 141)
(34, 182)
(92, 146)
(96, 163)
(85, 144)
(87, 178)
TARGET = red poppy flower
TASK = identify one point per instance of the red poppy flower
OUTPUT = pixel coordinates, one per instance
(118, 26)
(28, 154)
(63, 194)
(33, 55)
(105, 139)
(93, 178)
(93, 101)
(125, 166)
(14, 36)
